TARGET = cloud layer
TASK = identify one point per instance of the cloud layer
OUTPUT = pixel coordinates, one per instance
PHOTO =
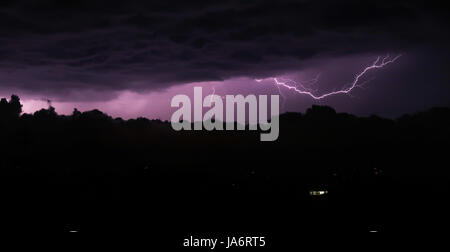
(91, 50)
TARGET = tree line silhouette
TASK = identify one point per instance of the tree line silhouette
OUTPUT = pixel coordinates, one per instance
(90, 171)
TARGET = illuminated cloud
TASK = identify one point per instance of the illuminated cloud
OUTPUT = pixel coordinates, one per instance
(88, 52)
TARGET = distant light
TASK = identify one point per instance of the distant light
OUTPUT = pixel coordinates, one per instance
(73, 231)
(373, 231)
(317, 192)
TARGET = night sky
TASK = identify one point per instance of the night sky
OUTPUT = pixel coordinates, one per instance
(128, 58)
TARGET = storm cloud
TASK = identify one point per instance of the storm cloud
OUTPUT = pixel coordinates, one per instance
(72, 49)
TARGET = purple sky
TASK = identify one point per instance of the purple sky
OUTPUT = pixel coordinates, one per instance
(129, 58)
(383, 85)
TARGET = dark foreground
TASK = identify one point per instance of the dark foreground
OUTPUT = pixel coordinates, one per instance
(91, 174)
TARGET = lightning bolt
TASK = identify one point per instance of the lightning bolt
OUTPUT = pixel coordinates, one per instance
(300, 87)
(213, 93)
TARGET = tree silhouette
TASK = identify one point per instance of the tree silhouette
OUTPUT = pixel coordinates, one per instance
(11, 109)
(89, 158)
(15, 106)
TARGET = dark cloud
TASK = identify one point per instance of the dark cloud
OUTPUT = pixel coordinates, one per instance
(56, 47)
